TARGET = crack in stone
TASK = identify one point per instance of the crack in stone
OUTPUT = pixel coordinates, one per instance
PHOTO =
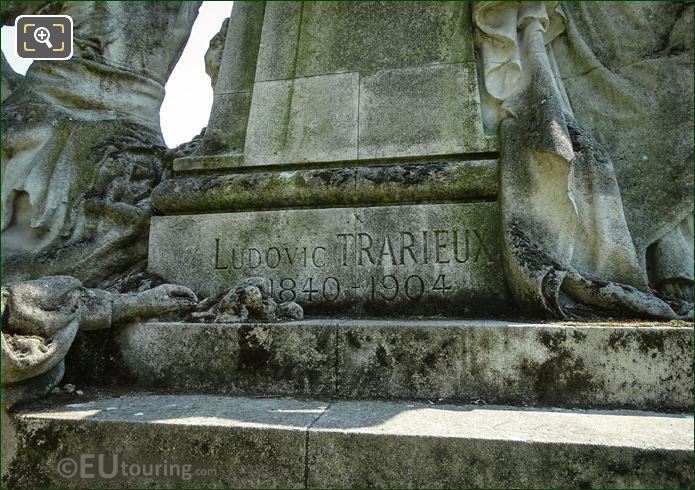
(306, 444)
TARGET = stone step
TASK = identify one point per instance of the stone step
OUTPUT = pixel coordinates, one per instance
(638, 366)
(223, 441)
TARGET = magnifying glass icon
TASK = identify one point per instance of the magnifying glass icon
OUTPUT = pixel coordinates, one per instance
(43, 35)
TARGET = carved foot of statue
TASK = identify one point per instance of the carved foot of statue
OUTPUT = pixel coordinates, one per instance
(167, 299)
(678, 289)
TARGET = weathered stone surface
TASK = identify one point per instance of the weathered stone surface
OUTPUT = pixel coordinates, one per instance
(420, 111)
(628, 72)
(277, 54)
(249, 443)
(240, 48)
(379, 260)
(296, 357)
(226, 130)
(645, 367)
(406, 112)
(389, 445)
(10, 79)
(551, 365)
(249, 300)
(566, 244)
(405, 70)
(314, 38)
(33, 389)
(312, 119)
(290, 310)
(367, 37)
(210, 162)
(213, 56)
(233, 84)
(82, 147)
(40, 319)
(437, 180)
(289, 443)
(9, 443)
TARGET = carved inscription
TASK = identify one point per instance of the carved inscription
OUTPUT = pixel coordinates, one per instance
(392, 262)
(377, 260)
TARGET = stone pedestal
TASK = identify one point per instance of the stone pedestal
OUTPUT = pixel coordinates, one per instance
(345, 159)
(386, 259)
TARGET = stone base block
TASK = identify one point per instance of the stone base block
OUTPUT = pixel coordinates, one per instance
(195, 190)
(186, 441)
(367, 261)
(644, 367)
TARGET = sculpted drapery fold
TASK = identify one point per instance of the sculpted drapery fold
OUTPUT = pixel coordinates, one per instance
(628, 69)
(40, 320)
(81, 146)
(566, 244)
(81, 151)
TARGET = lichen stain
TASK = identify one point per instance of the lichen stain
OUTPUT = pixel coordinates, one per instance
(253, 351)
(562, 375)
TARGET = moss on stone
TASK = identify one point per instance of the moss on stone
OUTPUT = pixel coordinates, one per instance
(431, 181)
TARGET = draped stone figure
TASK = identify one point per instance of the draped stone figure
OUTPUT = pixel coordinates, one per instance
(81, 151)
(628, 70)
(82, 148)
(567, 246)
(40, 319)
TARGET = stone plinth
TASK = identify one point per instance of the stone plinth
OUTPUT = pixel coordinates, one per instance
(206, 184)
(424, 259)
(645, 367)
(346, 150)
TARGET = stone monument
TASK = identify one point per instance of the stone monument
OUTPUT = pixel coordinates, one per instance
(387, 139)
(379, 153)
(473, 203)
